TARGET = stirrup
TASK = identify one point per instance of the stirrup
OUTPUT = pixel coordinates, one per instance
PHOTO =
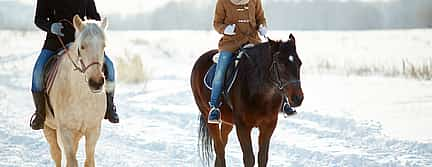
(214, 121)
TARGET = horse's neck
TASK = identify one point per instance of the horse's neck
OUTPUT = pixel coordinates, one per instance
(66, 74)
(256, 82)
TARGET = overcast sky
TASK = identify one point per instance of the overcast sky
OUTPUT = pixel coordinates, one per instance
(119, 6)
(139, 6)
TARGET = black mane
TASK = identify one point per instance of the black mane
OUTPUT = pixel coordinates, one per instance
(254, 67)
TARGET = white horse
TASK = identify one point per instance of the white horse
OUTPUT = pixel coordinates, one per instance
(77, 97)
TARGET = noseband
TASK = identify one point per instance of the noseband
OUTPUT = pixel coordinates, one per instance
(278, 82)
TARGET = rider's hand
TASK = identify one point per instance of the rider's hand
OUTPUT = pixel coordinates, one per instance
(229, 30)
(262, 30)
(56, 28)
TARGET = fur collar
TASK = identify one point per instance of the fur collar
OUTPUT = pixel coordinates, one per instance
(239, 2)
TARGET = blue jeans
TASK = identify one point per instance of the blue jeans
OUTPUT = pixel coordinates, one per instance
(45, 55)
(225, 59)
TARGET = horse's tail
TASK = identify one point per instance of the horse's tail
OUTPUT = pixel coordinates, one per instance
(205, 142)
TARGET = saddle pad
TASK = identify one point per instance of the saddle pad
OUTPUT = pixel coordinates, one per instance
(230, 77)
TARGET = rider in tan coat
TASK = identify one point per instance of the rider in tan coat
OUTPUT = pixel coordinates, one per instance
(239, 21)
(244, 16)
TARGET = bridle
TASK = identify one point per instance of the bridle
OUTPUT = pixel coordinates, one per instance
(82, 67)
(278, 82)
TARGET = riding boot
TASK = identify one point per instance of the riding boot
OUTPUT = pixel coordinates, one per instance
(287, 109)
(38, 118)
(111, 113)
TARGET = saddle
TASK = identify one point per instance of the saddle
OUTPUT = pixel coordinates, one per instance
(231, 72)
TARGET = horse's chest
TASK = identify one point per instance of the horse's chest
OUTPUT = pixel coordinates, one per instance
(78, 110)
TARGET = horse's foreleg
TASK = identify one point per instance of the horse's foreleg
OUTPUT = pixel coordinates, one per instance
(70, 142)
(226, 130)
(92, 137)
(219, 145)
(265, 133)
(243, 134)
(51, 136)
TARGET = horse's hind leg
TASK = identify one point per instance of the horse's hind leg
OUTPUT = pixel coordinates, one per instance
(244, 136)
(91, 137)
(51, 136)
(70, 141)
(219, 145)
(265, 134)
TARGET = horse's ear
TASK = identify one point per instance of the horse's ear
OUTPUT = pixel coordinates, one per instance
(104, 23)
(77, 23)
(291, 37)
(274, 45)
(271, 42)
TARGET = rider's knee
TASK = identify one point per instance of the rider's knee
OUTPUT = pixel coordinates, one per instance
(225, 54)
(109, 69)
(108, 63)
(41, 61)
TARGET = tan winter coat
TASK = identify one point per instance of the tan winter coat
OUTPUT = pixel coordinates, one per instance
(247, 18)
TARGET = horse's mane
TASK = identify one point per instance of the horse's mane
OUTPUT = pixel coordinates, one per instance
(253, 68)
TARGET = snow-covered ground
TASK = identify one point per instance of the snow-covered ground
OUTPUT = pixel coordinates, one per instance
(345, 119)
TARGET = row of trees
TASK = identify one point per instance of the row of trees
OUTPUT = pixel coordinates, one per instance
(302, 15)
(281, 14)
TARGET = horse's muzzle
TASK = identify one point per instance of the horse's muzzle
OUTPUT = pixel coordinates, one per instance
(96, 84)
(297, 100)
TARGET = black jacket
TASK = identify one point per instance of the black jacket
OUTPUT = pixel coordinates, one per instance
(51, 11)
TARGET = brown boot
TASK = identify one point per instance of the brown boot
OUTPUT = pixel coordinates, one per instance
(38, 118)
(111, 113)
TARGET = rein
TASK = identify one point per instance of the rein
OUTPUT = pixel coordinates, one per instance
(83, 67)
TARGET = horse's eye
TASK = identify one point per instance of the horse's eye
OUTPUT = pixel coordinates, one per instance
(291, 58)
(82, 47)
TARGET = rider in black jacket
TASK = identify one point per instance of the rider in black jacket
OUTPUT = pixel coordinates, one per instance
(54, 17)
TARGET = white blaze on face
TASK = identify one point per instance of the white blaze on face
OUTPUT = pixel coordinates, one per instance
(291, 58)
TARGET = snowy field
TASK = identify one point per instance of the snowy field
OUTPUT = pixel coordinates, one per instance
(360, 107)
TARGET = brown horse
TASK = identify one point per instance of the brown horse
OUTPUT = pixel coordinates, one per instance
(269, 72)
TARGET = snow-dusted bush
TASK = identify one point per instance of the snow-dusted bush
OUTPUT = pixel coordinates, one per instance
(130, 69)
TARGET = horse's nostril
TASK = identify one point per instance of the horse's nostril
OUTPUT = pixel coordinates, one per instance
(298, 99)
(96, 84)
(102, 81)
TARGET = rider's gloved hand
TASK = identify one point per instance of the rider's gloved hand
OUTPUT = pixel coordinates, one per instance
(229, 30)
(262, 30)
(56, 28)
